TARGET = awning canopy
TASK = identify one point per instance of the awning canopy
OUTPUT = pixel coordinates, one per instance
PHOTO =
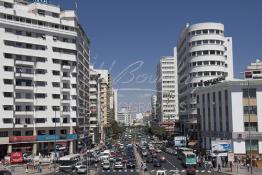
(192, 143)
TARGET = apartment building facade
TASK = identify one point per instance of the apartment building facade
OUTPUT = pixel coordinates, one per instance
(45, 78)
(203, 53)
(254, 70)
(226, 110)
(167, 94)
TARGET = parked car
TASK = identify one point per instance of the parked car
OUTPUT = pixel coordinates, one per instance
(161, 172)
(191, 170)
(118, 165)
(82, 169)
(149, 159)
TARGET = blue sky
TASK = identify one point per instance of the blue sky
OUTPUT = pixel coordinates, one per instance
(139, 32)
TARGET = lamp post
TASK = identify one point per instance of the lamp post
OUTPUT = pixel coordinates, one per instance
(55, 108)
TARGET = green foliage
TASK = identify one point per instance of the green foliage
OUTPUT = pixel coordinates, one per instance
(115, 130)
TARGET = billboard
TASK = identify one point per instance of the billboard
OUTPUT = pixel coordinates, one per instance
(41, 1)
(221, 146)
(180, 141)
(16, 157)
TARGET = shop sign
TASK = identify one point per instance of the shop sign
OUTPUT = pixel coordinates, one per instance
(15, 139)
(41, 1)
(16, 157)
(219, 146)
(47, 137)
(71, 136)
(212, 81)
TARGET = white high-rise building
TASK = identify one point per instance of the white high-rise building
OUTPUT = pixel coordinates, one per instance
(153, 107)
(256, 69)
(123, 117)
(203, 53)
(44, 78)
(115, 92)
(167, 99)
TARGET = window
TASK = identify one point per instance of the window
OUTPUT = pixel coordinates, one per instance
(252, 93)
(7, 120)
(74, 74)
(40, 120)
(40, 95)
(56, 73)
(253, 147)
(8, 5)
(40, 108)
(73, 85)
(17, 121)
(56, 96)
(41, 12)
(8, 81)
(40, 71)
(212, 52)
(206, 63)
(253, 126)
(205, 52)
(8, 55)
(27, 121)
(74, 108)
(205, 31)
(29, 133)
(56, 108)
(3, 133)
(8, 94)
(16, 133)
(8, 68)
(40, 83)
(56, 120)
(55, 15)
(250, 110)
(8, 107)
(212, 62)
(56, 84)
(74, 120)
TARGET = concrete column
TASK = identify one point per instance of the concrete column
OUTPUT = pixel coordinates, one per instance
(9, 149)
(71, 147)
(34, 149)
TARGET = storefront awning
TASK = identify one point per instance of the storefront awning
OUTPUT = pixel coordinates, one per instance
(192, 143)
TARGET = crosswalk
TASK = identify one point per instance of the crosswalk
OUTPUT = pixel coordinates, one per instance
(183, 171)
(120, 171)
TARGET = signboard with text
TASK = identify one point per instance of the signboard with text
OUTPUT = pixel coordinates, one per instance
(219, 146)
(16, 157)
(41, 1)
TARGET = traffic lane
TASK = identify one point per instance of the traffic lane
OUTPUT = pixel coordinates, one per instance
(172, 162)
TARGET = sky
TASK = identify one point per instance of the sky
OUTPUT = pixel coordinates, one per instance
(130, 36)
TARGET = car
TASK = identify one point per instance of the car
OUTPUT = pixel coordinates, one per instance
(82, 169)
(154, 154)
(149, 159)
(79, 164)
(157, 163)
(144, 153)
(191, 170)
(131, 164)
(161, 172)
(118, 165)
(125, 159)
(158, 150)
(106, 165)
(162, 158)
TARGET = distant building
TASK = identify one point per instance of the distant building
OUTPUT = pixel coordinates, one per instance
(115, 103)
(203, 53)
(224, 110)
(123, 117)
(255, 70)
(153, 107)
(167, 94)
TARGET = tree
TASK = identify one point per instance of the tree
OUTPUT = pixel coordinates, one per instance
(115, 130)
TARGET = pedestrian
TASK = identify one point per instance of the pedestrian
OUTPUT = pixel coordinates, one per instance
(50, 167)
(96, 166)
(219, 168)
(26, 168)
(142, 166)
(248, 167)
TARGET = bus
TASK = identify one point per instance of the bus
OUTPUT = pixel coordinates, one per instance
(181, 150)
(67, 163)
(189, 159)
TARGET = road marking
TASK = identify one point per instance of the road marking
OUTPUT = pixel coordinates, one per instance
(137, 170)
(171, 163)
(125, 170)
(114, 170)
(131, 170)
(103, 171)
(108, 170)
(202, 171)
(209, 171)
(183, 171)
(197, 171)
(120, 171)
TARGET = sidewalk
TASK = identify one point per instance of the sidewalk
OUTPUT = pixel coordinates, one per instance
(242, 171)
(139, 160)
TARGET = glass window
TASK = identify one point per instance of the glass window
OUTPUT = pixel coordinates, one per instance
(205, 52)
(7, 120)
(250, 110)
(205, 31)
(40, 120)
(16, 133)
(252, 93)
(253, 147)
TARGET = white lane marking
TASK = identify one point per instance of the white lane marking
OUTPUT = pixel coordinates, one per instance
(171, 163)
(137, 170)
(120, 171)
(202, 171)
(114, 170)
(103, 171)
(108, 170)
(197, 171)
(125, 170)
(183, 171)
(209, 171)
(131, 170)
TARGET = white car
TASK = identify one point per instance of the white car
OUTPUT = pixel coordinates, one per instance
(82, 169)
(161, 172)
(106, 165)
(118, 165)
(158, 150)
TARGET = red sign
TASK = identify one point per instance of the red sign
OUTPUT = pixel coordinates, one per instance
(16, 157)
(248, 74)
(14, 139)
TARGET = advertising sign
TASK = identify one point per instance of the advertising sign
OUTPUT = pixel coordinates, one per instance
(16, 157)
(15, 139)
(180, 141)
(230, 157)
(221, 146)
(41, 1)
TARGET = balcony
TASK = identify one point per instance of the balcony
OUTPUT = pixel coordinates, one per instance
(66, 67)
(24, 63)
(24, 87)
(65, 78)
(25, 113)
(66, 101)
(24, 100)
(24, 75)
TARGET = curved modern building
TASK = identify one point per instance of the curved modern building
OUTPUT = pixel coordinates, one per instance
(204, 53)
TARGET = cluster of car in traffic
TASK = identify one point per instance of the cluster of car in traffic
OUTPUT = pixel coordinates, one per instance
(150, 154)
(122, 156)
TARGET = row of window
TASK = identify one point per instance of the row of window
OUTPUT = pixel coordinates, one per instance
(207, 63)
(205, 32)
(30, 132)
(206, 73)
(168, 72)
(206, 52)
(37, 96)
(168, 67)
(36, 22)
(252, 110)
(24, 58)
(250, 92)
(204, 42)
(37, 108)
(25, 45)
